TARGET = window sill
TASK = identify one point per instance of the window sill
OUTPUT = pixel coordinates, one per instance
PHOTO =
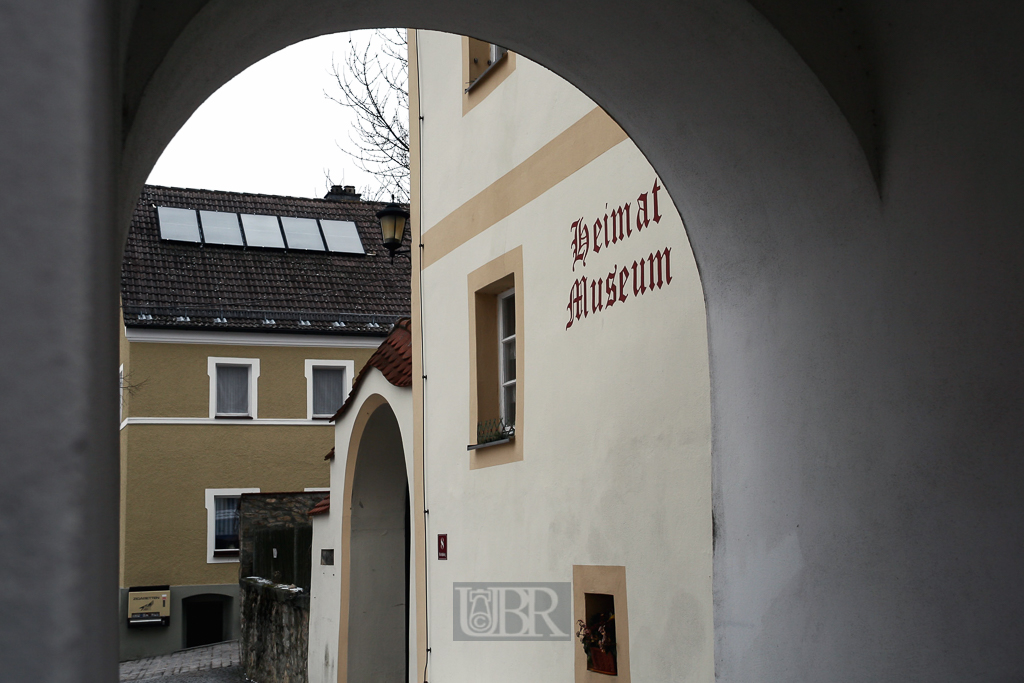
(232, 417)
(483, 75)
(225, 554)
(473, 447)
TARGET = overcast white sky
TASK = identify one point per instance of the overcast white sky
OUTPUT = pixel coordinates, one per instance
(270, 130)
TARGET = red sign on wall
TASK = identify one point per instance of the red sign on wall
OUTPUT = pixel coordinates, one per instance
(442, 546)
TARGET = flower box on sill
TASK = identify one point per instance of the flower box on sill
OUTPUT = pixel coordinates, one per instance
(492, 433)
(602, 662)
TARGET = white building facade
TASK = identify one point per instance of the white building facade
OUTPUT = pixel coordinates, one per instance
(560, 419)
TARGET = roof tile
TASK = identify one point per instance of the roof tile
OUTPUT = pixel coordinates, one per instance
(323, 507)
(182, 285)
(393, 358)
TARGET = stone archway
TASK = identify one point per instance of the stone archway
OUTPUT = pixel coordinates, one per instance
(864, 328)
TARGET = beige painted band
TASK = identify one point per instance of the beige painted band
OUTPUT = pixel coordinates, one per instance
(419, 484)
(567, 153)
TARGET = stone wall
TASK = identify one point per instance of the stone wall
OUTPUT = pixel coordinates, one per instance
(275, 631)
(275, 532)
(261, 512)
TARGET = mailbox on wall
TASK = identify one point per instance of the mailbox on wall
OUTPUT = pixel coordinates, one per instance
(149, 606)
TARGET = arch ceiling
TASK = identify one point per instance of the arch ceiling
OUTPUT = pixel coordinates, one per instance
(177, 54)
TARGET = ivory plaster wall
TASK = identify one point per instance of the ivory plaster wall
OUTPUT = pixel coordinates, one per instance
(326, 589)
(325, 600)
(616, 432)
(498, 134)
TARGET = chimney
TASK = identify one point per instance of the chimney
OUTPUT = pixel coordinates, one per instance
(342, 193)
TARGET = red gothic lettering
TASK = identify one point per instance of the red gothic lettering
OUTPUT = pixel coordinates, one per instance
(609, 288)
(641, 205)
(577, 301)
(572, 292)
(649, 273)
(597, 237)
(580, 242)
(596, 303)
(617, 225)
(638, 290)
(657, 216)
(656, 258)
(581, 307)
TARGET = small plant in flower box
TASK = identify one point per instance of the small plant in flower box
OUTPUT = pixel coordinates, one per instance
(597, 635)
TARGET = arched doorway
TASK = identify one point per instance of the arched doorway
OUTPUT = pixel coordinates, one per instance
(377, 525)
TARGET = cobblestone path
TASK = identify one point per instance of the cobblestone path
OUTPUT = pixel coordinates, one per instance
(208, 664)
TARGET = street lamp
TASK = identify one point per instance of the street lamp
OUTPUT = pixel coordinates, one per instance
(393, 219)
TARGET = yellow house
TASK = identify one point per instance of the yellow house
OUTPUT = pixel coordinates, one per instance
(245, 319)
(555, 440)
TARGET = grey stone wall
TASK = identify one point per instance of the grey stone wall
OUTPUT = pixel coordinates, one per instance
(263, 512)
(275, 631)
(274, 534)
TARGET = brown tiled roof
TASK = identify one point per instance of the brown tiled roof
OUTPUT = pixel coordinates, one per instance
(322, 507)
(182, 285)
(394, 355)
(393, 358)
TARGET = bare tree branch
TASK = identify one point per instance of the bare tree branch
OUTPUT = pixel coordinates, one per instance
(373, 82)
(130, 386)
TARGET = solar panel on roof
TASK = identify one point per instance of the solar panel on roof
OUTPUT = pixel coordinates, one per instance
(302, 233)
(221, 228)
(262, 231)
(342, 236)
(178, 224)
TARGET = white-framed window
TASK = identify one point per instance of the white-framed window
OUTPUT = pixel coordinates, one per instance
(222, 541)
(233, 385)
(328, 383)
(507, 355)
